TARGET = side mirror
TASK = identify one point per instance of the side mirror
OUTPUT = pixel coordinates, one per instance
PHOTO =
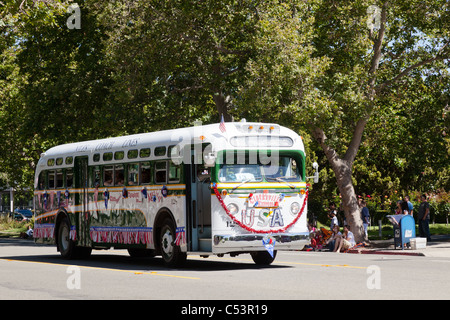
(209, 159)
(176, 155)
(315, 177)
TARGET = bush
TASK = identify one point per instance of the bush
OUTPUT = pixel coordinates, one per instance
(10, 225)
(316, 208)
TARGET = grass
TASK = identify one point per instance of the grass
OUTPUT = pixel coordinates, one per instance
(12, 227)
(387, 231)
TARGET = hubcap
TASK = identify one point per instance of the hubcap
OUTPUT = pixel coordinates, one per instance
(64, 238)
(167, 240)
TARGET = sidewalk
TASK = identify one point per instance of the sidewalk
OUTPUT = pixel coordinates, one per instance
(439, 247)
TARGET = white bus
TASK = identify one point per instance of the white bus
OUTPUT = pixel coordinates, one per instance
(227, 188)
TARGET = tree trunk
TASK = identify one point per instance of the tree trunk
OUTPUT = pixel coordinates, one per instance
(343, 171)
(342, 168)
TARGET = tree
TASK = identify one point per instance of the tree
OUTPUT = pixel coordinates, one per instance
(57, 85)
(364, 68)
(181, 55)
(316, 66)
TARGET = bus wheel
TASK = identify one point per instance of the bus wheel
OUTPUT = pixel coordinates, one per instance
(170, 252)
(263, 258)
(65, 244)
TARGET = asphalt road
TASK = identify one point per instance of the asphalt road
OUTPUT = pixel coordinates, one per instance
(28, 271)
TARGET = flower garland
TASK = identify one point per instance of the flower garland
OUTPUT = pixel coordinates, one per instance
(259, 231)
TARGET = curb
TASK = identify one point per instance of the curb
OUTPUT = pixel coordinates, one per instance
(386, 252)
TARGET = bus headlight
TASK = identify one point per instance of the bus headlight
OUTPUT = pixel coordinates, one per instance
(295, 208)
(232, 208)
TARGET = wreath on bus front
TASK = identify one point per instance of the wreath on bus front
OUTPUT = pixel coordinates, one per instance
(216, 191)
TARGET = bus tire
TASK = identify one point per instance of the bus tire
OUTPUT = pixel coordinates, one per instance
(263, 258)
(171, 253)
(66, 246)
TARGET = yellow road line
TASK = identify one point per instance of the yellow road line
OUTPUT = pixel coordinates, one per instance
(152, 273)
(323, 265)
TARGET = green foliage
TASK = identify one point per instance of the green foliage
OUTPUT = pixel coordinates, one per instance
(138, 66)
(10, 226)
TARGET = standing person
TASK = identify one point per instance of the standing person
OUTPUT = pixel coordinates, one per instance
(398, 209)
(424, 218)
(410, 205)
(404, 205)
(365, 216)
(332, 215)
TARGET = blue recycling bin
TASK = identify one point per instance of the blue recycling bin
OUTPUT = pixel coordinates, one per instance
(404, 229)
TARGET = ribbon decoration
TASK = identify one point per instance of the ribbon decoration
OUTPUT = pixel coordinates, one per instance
(106, 196)
(243, 226)
(67, 195)
(122, 235)
(144, 192)
(124, 192)
(45, 197)
(73, 233)
(164, 191)
(45, 230)
(180, 236)
(269, 244)
(58, 198)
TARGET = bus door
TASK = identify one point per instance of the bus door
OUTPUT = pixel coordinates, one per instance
(82, 200)
(199, 204)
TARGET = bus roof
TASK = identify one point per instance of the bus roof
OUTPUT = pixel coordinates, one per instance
(230, 135)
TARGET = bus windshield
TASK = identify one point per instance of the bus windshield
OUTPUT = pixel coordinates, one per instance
(284, 169)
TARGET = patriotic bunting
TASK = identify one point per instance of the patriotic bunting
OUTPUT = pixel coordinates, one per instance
(44, 231)
(180, 236)
(123, 235)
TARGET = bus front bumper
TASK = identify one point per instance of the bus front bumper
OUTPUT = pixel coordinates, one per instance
(254, 242)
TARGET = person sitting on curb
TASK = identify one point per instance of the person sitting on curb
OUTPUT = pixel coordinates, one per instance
(346, 241)
(331, 242)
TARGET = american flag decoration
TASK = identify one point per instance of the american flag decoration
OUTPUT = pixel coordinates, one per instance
(222, 125)
(180, 236)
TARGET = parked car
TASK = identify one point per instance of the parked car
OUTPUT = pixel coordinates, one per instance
(23, 214)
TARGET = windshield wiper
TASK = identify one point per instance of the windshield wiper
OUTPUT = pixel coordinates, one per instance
(281, 180)
(243, 182)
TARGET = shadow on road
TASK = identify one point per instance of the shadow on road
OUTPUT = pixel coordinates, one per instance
(120, 260)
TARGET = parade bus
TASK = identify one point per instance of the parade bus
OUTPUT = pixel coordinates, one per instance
(224, 188)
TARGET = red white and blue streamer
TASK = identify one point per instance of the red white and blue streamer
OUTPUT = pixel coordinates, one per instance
(180, 236)
(122, 235)
(243, 226)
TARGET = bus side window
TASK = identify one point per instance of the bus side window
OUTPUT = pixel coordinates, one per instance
(160, 151)
(51, 179)
(108, 174)
(133, 174)
(161, 172)
(146, 175)
(59, 179)
(41, 181)
(174, 173)
(69, 178)
(95, 177)
(119, 175)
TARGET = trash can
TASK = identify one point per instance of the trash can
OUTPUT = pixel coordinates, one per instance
(404, 229)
